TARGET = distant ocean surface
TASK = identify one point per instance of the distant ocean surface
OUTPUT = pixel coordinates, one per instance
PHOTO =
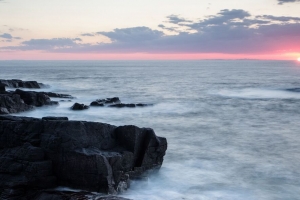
(233, 127)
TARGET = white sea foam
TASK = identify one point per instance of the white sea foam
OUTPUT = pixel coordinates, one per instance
(256, 93)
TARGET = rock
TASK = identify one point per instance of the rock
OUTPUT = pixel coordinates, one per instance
(35, 98)
(12, 103)
(2, 88)
(96, 103)
(72, 195)
(15, 83)
(20, 101)
(56, 95)
(37, 154)
(102, 102)
(55, 118)
(115, 102)
(122, 105)
(78, 106)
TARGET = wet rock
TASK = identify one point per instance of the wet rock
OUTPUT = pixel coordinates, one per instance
(12, 103)
(115, 102)
(2, 88)
(20, 101)
(16, 83)
(55, 118)
(102, 102)
(78, 106)
(122, 105)
(35, 98)
(57, 95)
(96, 103)
(37, 154)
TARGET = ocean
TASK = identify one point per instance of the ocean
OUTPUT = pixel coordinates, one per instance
(233, 127)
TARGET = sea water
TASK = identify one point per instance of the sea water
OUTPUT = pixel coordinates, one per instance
(233, 127)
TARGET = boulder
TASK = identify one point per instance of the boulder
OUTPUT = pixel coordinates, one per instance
(78, 106)
(37, 154)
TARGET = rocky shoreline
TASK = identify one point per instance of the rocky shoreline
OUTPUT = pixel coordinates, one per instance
(38, 155)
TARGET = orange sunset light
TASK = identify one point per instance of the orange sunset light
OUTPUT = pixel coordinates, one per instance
(298, 59)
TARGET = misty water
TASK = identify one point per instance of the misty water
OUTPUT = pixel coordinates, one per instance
(233, 127)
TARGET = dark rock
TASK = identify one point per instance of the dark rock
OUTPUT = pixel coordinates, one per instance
(96, 103)
(115, 102)
(20, 101)
(42, 153)
(102, 102)
(35, 98)
(143, 105)
(12, 103)
(122, 105)
(56, 95)
(55, 118)
(15, 83)
(72, 195)
(78, 106)
(2, 88)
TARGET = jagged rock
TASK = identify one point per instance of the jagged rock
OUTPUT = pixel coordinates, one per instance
(42, 153)
(20, 101)
(35, 98)
(15, 83)
(12, 103)
(78, 106)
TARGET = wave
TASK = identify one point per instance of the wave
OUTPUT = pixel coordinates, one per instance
(257, 93)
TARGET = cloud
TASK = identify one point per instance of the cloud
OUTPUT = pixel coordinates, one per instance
(46, 44)
(132, 35)
(87, 34)
(229, 31)
(281, 2)
(6, 36)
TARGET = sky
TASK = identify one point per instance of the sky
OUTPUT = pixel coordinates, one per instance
(149, 30)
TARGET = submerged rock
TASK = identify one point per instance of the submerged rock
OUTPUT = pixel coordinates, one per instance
(37, 154)
(115, 102)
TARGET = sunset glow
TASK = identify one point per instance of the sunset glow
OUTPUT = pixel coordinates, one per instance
(136, 31)
(298, 59)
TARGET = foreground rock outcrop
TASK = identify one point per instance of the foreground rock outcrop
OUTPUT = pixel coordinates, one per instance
(37, 154)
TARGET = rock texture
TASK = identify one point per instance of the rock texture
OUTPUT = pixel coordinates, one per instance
(15, 83)
(115, 102)
(79, 106)
(20, 101)
(42, 153)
